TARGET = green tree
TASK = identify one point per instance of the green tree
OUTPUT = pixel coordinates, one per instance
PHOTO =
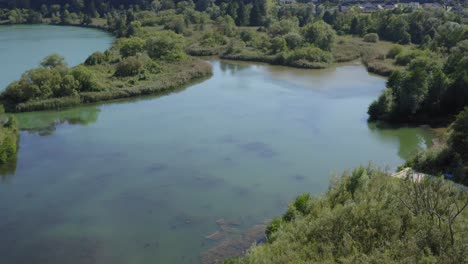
(54, 61)
(131, 46)
(294, 40)
(320, 34)
(226, 26)
(278, 44)
(449, 34)
(130, 66)
(458, 140)
(166, 45)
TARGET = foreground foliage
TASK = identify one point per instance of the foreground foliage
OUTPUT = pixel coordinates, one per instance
(369, 217)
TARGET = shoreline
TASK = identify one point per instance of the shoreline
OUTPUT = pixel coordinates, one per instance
(195, 69)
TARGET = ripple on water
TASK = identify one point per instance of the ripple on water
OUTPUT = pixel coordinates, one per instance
(261, 149)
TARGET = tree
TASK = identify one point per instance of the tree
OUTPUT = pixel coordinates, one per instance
(54, 61)
(258, 13)
(458, 140)
(293, 40)
(366, 217)
(320, 34)
(96, 58)
(66, 18)
(226, 26)
(449, 34)
(130, 66)
(131, 46)
(176, 23)
(278, 44)
(166, 45)
(85, 78)
(243, 18)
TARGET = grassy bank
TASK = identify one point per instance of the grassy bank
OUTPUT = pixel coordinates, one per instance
(173, 76)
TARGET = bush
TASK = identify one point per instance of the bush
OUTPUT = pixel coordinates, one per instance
(278, 44)
(86, 79)
(311, 53)
(371, 37)
(382, 108)
(130, 66)
(53, 61)
(293, 40)
(212, 39)
(367, 217)
(8, 139)
(406, 56)
(131, 46)
(320, 34)
(394, 51)
(96, 58)
(246, 35)
(166, 45)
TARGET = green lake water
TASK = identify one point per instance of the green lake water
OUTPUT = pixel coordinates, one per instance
(144, 181)
(22, 47)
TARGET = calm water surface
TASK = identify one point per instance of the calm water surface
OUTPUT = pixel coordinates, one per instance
(22, 47)
(144, 181)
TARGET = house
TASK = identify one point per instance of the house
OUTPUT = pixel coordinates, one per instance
(431, 5)
(413, 5)
(344, 7)
(287, 2)
(458, 10)
(390, 6)
(369, 7)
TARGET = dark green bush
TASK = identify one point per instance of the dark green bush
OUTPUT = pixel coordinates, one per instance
(96, 58)
(371, 37)
(130, 66)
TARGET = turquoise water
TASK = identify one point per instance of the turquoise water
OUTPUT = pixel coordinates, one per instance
(144, 181)
(22, 47)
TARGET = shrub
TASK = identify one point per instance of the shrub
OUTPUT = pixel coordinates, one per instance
(246, 35)
(8, 139)
(367, 217)
(310, 53)
(371, 37)
(278, 44)
(406, 56)
(96, 58)
(131, 46)
(212, 39)
(394, 51)
(176, 24)
(53, 61)
(86, 79)
(130, 66)
(293, 40)
(166, 45)
(320, 34)
(382, 107)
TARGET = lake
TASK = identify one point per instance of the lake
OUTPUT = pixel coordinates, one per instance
(22, 47)
(146, 180)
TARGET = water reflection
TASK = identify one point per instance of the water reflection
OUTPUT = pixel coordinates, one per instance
(233, 68)
(45, 123)
(409, 141)
(8, 169)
